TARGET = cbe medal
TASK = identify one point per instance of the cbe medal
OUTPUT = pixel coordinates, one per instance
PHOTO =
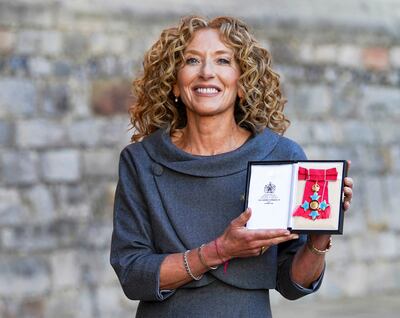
(315, 201)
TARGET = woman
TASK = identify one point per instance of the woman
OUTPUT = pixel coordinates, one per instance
(207, 103)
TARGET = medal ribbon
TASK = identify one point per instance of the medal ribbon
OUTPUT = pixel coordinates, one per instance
(315, 204)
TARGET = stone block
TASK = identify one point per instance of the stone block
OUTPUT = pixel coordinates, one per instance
(72, 202)
(376, 203)
(24, 276)
(358, 133)
(19, 167)
(110, 97)
(86, 132)
(392, 183)
(40, 133)
(394, 56)
(312, 101)
(346, 95)
(96, 267)
(41, 204)
(28, 42)
(18, 65)
(61, 166)
(6, 133)
(62, 68)
(65, 270)
(102, 200)
(100, 163)
(113, 304)
(7, 41)
(97, 236)
(75, 45)
(28, 238)
(115, 131)
(39, 66)
(351, 281)
(56, 100)
(376, 163)
(12, 210)
(51, 43)
(376, 58)
(32, 307)
(299, 131)
(326, 132)
(349, 56)
(306, 53)
(17, 97)
(326, 53)
(383, 277)
(379, 102)
(80, 97)
(388, 246)
(58, 303)
(357, 244)
(118, 44)
(98, 43)
(395, 158)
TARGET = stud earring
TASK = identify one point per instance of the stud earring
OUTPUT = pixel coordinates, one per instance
(176, 99)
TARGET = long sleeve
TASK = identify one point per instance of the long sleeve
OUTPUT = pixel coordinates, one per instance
(133, 255)
(284, 284)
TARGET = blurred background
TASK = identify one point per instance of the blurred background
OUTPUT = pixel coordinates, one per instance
(66, 68)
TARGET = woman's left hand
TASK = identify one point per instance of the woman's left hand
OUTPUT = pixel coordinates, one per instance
(348, 189)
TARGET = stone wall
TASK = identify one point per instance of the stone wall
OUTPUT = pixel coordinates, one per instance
(65, 73)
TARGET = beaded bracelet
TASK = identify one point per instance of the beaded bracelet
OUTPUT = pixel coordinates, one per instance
(202, 260)
(187, 267)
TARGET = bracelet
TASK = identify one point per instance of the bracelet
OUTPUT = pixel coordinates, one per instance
(202, 260)
(317, 251)
(187, 267)
(217, 249)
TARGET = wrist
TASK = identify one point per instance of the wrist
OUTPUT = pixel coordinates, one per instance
(319, 246)
(220, 251)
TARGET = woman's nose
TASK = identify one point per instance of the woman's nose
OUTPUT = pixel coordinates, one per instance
(207, 70)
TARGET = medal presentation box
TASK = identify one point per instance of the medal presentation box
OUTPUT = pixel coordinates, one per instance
(302, 196)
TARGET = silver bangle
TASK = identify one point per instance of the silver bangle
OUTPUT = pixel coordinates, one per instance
(187, 267)
(202, 260)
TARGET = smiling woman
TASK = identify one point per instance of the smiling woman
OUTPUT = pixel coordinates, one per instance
(207, 103)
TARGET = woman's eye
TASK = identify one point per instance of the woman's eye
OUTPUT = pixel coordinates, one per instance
(223, 61)
(192, 60)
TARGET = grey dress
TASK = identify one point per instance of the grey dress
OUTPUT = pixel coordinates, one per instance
(168, 201)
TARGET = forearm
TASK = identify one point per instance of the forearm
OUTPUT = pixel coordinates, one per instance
(173, 273)
(307, 266)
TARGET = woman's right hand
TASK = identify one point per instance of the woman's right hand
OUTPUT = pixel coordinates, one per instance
(238, 241)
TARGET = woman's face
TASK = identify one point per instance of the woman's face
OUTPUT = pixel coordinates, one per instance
(208, 82)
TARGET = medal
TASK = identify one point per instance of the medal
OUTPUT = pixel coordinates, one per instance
(315, 202)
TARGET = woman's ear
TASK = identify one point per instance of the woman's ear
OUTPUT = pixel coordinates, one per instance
(240, 93)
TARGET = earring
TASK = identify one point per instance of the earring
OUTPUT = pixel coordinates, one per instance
(176, 99)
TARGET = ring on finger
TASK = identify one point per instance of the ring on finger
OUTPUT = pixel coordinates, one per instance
(263, 249)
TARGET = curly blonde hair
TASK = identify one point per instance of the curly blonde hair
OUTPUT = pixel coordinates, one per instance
(262, 102)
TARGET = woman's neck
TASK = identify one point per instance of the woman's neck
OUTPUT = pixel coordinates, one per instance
(210, 137)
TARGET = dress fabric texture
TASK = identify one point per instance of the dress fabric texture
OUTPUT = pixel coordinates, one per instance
(168, 201)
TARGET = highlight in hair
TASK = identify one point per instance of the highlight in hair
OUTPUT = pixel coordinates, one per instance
(261, 106)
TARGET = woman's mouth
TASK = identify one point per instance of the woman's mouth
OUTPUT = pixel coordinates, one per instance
(206, 91)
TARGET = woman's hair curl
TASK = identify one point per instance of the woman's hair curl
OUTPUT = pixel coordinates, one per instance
(262, 102)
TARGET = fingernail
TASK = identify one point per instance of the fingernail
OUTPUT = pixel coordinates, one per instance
(295, 236)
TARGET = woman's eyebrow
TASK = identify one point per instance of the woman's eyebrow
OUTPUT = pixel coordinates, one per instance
(192, 51)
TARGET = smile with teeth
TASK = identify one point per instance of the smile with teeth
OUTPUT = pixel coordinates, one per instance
(208, 90)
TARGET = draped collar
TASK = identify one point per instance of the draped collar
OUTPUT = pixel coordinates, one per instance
(160, 149)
